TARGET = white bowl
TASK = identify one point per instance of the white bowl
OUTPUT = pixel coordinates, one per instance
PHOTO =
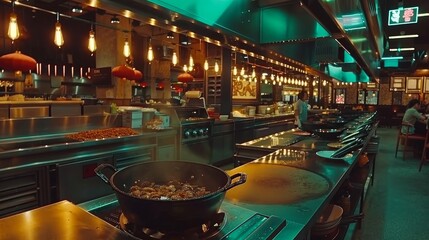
(330, 214)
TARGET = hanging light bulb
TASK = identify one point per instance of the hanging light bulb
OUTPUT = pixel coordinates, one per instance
(174, 59)
(324, 82)
(150, 51)
(206, 65)
(242, 71)
(185, 68)
(92, 45)
(253, 73)
(191, 63)
(13, 30)
(266, 81)
(150, 54)
(58, 40)
(234, 71)
(216, 67)
(127, 50)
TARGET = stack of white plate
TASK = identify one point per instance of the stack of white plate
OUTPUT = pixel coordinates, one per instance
(326, 227)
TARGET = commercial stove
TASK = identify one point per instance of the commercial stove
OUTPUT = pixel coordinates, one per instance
(194, 129)
(232, 222)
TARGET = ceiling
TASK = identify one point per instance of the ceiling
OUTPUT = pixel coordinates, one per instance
(413, 60)
(378, 36)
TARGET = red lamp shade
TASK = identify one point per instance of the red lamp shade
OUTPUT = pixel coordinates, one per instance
(185, 77)
(17, 62)
(137, 75)
(143, 84)
(160, 86)
(123, 71)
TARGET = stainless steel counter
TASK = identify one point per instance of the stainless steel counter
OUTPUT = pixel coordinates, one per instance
(61, 220)
(272, 183)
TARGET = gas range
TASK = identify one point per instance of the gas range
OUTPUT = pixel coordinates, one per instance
(237, 223)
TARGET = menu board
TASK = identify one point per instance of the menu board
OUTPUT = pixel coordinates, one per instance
(101, 76)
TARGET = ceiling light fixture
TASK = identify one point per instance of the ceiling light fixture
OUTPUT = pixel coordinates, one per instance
(174, 59)
(13, 30)
(170, 35)
(392, 58)
(115, 20)
(206, 65)
(77, 9)
(127, 49)
(401, 49)
(404, 36)
(184, 40)
(92, 45)
(58, 39)
(150, 51)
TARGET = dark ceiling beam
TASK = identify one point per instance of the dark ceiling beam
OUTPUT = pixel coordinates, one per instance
(373, 27)
(328, 21)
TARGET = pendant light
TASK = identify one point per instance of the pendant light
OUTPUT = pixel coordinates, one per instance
(127, 50)
(174, 59)
(13, 30)
(206, 65)
(150, 51)
(92, 45)
(234, 71)
(216, 67)
(58, 39)
(191, 63)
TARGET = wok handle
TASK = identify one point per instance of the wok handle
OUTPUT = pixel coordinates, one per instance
(242, 179)
(102, 167)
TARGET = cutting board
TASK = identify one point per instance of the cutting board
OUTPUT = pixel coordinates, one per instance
(276, 184)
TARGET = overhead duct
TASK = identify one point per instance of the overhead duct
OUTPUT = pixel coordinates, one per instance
(350, 67)
(327, 50)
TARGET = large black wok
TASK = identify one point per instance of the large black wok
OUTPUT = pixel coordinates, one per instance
(169, 215)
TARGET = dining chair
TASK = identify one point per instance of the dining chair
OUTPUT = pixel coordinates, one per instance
(404, 139)
(424, 157)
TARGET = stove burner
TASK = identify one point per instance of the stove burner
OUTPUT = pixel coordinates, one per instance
(204, 231)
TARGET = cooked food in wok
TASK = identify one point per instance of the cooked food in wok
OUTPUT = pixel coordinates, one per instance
(173, 190)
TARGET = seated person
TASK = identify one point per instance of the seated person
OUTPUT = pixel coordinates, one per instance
(415, 118)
